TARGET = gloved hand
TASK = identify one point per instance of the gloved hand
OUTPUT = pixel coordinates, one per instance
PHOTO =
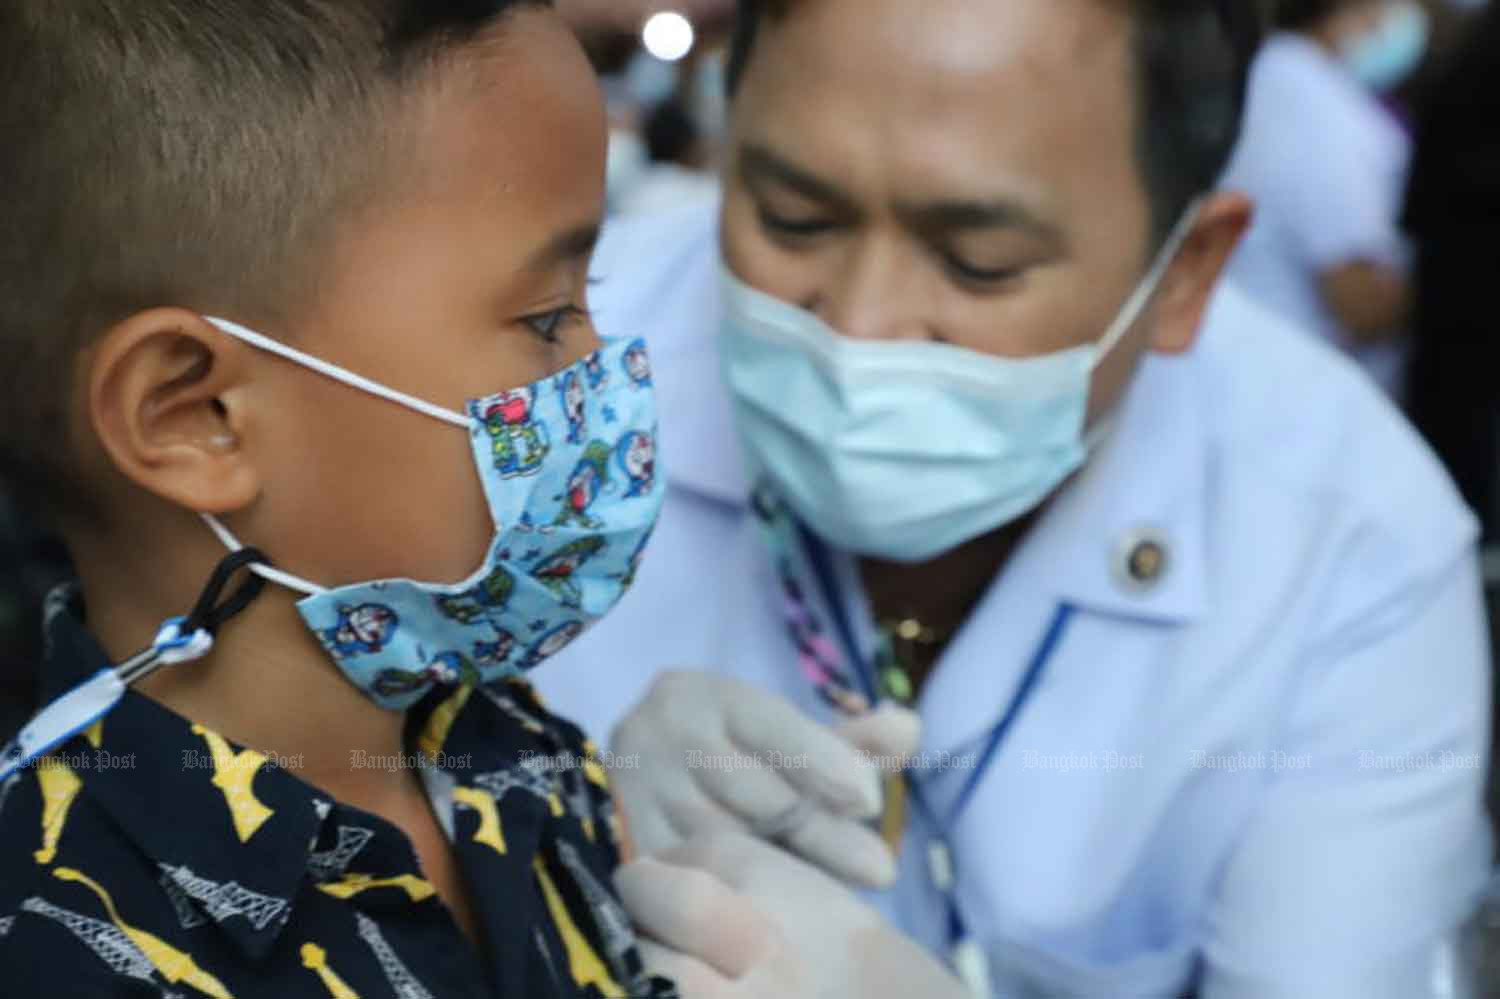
(720, 755)
(729, 917)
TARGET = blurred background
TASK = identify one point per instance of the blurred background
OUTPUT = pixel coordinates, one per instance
(1372, 149)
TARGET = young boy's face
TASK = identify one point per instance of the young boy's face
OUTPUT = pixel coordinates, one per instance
(468, 278)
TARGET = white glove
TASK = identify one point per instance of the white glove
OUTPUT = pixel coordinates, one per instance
(729, 917)
(719, 755)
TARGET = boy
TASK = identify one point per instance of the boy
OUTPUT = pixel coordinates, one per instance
(401, 196)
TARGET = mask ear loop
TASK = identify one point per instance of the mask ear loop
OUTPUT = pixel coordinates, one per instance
(180, 640)
(1136, 304)
(260, 566)
(338, 374)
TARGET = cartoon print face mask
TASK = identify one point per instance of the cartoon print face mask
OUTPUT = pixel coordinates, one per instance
(568, 467)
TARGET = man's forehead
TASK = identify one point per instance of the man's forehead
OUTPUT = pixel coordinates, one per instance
(942, 51)
(976, 33)
(951, 97)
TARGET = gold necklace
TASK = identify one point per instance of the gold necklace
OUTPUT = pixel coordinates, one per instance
(904, 639)
(914, 631)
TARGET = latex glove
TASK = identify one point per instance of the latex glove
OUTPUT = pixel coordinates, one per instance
(719, 755)
(726, 916)
(711, 941)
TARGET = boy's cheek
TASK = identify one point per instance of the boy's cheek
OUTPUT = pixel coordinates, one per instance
(362, 489)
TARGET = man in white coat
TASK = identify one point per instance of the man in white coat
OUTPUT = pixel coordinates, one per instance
(955, 412)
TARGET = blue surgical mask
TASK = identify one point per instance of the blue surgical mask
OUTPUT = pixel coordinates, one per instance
(907, 449)
(568, 467)
(1382, 59)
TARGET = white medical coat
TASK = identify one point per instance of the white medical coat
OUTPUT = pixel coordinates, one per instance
(1265, 770)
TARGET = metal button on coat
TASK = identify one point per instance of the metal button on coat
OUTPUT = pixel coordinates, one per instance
(1142, 560)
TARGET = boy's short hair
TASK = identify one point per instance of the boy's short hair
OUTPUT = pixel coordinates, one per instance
(196, 153)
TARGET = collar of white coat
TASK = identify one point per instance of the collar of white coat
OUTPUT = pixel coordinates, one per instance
(1149, 479)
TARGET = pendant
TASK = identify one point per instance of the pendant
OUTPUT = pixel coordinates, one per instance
(896, 683)
(893, 816)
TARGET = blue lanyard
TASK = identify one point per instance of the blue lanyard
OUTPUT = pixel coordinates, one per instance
(818, 559)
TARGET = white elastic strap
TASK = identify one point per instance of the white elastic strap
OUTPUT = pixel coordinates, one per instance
(1137, 302)
(337, 373)
(263, 571)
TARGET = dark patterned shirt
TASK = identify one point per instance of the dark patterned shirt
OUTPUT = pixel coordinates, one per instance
(151, 857)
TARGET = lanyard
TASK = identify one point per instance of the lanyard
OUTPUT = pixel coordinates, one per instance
(818, 557)
(180, 640)
(822, 660)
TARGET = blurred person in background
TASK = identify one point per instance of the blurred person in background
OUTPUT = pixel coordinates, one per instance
(1325, 162)
(957, 415)
(679, 176)
(1453, 213)
(639, 86)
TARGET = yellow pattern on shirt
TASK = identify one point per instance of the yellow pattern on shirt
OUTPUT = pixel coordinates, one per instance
(583, 961)
(591, 768)
(315, 958)
(352, 884)
(435, 734)
(233, 775)
(60, 786)
(174, 965)
(490, 833)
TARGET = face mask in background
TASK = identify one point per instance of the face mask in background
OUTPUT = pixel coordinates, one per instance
(1383, 58)
(568, 467)
(907, 449)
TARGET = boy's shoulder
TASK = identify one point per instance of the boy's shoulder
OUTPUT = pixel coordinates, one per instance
(117, 874)
(21, 834)
(59, 928)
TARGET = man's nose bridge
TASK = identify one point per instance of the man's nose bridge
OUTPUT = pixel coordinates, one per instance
(874, 295)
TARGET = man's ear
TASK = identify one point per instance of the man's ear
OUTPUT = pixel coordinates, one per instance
(1190, 281)
(166, 401)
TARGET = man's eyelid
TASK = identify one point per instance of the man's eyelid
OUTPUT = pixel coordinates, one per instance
(774, 197)
(1015, 258)
(801, 213)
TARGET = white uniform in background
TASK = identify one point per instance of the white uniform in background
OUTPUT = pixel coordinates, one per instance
(666, 188)
(1326, 164)
(1262, 764)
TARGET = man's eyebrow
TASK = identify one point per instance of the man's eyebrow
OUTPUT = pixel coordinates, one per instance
(566, 246)
(759, 163)
(1002, 213)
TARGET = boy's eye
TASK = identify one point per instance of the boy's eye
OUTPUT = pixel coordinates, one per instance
(548, 325)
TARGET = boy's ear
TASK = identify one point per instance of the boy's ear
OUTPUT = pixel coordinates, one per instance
(166, 401)
(1190, 281)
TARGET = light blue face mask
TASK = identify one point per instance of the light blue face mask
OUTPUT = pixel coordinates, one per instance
(1385, 57)
(568, 466)
(907, 449)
